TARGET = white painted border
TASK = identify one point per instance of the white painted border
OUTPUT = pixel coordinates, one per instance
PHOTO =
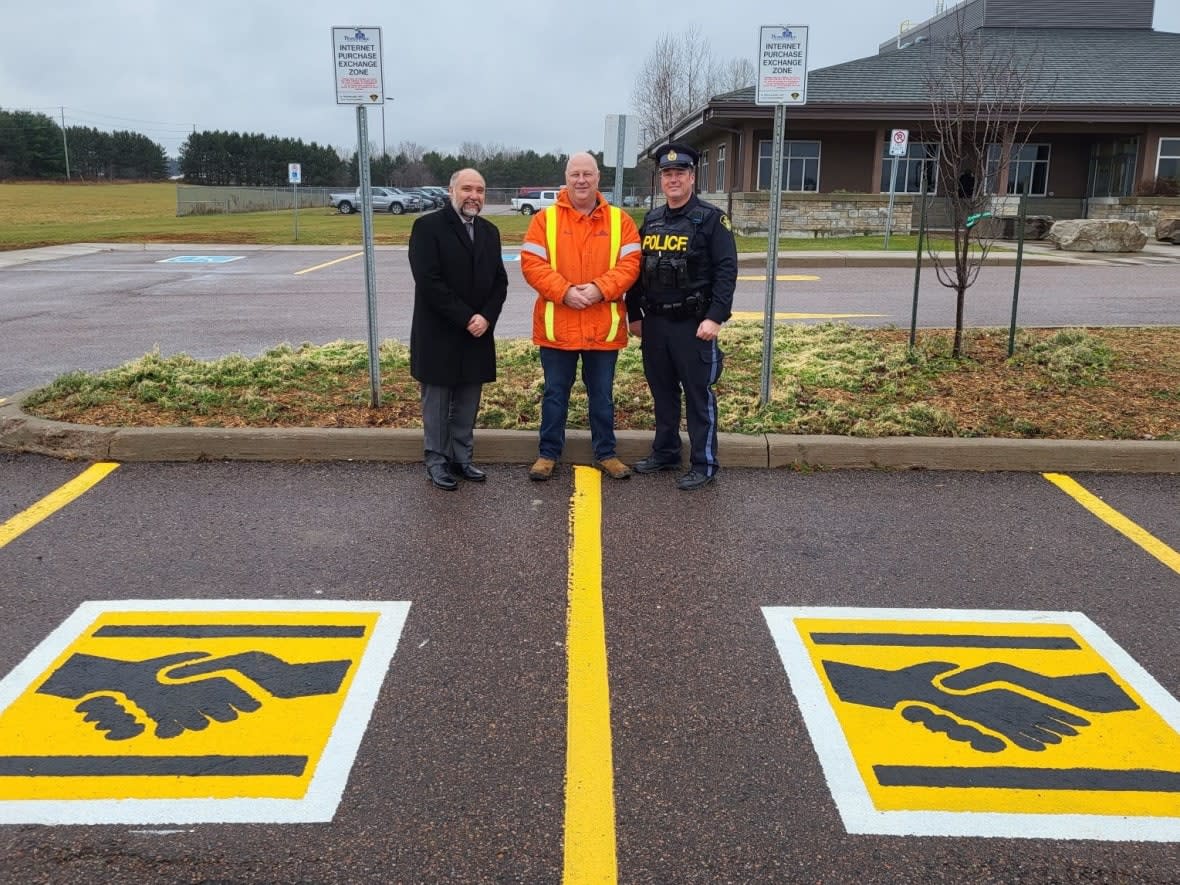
(330, 777)
(204, 259)
(852, 797)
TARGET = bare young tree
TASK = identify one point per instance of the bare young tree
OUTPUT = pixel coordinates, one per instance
(738, 74)
(680, 75)
(983, 95)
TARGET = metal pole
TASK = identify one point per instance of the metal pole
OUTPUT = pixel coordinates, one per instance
(918, 261)
(892, 191)
(1019, 260)
(362, 161)
(776, 185)
(295, 195)
(65, 145)
(617, 194)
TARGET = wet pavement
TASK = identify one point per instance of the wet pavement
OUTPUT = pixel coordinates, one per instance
(459, 775)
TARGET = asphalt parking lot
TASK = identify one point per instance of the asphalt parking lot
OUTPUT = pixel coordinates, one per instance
(332, 672)
(736, 749)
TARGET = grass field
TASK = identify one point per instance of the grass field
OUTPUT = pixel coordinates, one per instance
(50, 214)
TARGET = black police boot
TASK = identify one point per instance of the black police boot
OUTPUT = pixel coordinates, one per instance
(651, 464)
(694, 479)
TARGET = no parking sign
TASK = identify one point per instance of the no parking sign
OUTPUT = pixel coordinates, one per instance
(899, 142)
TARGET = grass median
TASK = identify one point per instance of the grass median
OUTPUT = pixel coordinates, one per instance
(828, 379)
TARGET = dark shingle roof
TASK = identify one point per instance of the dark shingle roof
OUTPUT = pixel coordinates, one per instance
(1127, 68)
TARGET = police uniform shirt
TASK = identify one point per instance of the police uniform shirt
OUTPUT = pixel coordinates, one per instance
(711, 246)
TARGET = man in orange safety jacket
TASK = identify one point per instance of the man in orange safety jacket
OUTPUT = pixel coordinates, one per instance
(581, 255)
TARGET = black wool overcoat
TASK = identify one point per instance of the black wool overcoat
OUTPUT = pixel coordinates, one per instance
(454, 279)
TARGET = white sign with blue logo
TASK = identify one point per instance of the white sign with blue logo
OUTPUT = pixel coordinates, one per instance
(782, 65)
(356, 57)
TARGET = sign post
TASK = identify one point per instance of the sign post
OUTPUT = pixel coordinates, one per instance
(295, 175)
(620, 148)
(899, 144)
(356, 56)
(782, 81)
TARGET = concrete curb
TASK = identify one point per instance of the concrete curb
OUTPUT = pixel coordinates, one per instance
(20, 432)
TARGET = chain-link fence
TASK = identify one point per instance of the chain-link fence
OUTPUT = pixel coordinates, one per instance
(203, 200)
(194, 199)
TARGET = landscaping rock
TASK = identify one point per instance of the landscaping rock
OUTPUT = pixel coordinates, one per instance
(1097, 235)
(1167, 230)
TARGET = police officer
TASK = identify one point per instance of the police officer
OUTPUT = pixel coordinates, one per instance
(683, 295)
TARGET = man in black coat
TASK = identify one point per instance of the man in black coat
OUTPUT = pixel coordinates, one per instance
(459, 289)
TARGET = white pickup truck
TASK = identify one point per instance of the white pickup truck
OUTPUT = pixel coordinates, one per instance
(385, 199)
(533, 201)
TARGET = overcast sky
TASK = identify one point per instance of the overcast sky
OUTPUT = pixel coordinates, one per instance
(533, 74)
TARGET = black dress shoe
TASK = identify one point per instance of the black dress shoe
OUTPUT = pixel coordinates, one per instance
(652, 465)
(692, 480)
(469, 472)
(441, 477)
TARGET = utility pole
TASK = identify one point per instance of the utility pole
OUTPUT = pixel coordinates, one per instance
(65, 145)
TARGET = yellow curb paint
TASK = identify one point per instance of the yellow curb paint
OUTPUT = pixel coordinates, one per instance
(782, 278)
(757, 315)
(328, 263)
(589, 770)
(1116, 520)
(54, 501)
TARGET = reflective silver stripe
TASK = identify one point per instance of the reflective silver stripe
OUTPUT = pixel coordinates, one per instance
(537, 249)
(628, 249)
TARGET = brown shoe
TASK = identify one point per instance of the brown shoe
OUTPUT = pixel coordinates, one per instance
(542, 469)
(614, 468)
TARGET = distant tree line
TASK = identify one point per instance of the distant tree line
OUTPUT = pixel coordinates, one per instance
(256, 160)
(32, 146)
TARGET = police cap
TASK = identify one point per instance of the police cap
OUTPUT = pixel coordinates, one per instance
(676, 156)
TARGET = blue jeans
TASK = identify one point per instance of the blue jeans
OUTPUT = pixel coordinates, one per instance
(598, 374)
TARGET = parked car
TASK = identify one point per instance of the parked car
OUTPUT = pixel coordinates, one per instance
(414, 201)
(430, 200)
(441, 192)
(533, 201)
(385, 199)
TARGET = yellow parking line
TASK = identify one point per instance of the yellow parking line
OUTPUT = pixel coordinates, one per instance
(590, 852)
(782, 278)
(54, 501)
(329, 263)
(1116, 520)
(757, 315)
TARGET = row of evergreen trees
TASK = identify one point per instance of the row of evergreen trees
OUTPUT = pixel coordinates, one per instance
(33, 146)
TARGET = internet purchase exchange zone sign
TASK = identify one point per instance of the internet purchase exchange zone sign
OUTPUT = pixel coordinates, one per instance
(193, 711)
(983, 723)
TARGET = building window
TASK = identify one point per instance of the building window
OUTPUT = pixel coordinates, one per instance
(720, 168)
(909, 168)
(703, 173)
(1028, 169)
(1112, 168)
(800, 165)
(1169, 162)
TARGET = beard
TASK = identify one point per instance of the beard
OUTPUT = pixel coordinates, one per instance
(468, 208)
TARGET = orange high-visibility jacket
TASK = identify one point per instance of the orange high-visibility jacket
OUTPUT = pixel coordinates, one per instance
(564, 248)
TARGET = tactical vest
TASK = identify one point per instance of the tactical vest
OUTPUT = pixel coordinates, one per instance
(675, 255)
